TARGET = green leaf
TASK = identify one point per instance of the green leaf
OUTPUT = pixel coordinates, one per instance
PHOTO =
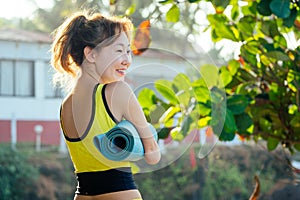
(225, 76)
(187, 125)
(218, 116)
(245, 76)
(270, 28)
(176, 134)
(235, 11)
(193, 1)
(280, 42)
(165, 89)
(215, 19)
(230, 125)
(278, 55)
(182, 82)
(172, 110)
(237, 103)
(289, 22)
(250, 9)
(201, 93)
(226, 136)
(265, 60)
(183, 98)
(220, 3)
(263, 7)
(156, 111)
(218, 96)
(243, 122)
(228, 32)
(204, 121)
(252, 47)
(272, 143)
(163, 133)
(129, 11)
(281, 8)
(221, 28)
(246, 26)
(146, 98)
(233, 66)
(204, 109)
(173, 14)
(230, 128)
(214, 36)
(210, 75)
(182, 85)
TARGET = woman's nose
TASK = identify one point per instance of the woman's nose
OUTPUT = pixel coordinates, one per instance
(127, 59)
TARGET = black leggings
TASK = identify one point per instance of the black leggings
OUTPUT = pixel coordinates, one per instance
(96, 183)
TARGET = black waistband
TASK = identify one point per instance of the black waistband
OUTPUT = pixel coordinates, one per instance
(114, 180)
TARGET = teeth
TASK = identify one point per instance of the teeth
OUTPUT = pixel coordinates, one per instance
(123, 71)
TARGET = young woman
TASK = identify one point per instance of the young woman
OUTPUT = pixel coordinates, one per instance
(95, 51)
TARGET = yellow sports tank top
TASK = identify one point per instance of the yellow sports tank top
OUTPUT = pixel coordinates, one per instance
(84, 154)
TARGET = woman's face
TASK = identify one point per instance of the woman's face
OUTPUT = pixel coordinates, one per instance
(113, 60)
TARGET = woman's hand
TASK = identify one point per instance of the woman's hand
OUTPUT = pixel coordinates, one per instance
(152, 151)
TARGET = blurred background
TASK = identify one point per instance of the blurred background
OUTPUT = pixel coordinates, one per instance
(229, 128)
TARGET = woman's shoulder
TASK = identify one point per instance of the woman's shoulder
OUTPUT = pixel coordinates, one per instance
(119, 88)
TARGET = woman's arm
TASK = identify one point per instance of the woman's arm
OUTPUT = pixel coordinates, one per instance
(124, 104)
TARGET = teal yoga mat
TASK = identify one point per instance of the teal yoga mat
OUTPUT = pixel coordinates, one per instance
(122, 142)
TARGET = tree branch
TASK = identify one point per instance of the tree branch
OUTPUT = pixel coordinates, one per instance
(267, 135)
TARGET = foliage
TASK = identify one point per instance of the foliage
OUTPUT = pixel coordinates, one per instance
(256, 95)
(178, 180)
(217, 182)
(227, 173)
(171, 182)
(17, 174)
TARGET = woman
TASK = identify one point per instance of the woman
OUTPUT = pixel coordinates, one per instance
(95, 51)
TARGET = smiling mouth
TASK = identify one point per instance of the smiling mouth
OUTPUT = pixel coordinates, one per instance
(121, 71)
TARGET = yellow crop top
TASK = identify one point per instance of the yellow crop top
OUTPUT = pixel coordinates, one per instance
(84, 155)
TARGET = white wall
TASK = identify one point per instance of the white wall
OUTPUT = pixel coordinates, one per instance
(24, 50)
(31, 108)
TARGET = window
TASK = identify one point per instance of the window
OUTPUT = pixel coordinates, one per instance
(50, 90)
(16, 78)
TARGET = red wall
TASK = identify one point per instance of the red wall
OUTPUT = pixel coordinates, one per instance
(4, 131)
(26, 133)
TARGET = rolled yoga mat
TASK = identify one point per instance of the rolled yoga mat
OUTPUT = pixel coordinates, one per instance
(122, 142)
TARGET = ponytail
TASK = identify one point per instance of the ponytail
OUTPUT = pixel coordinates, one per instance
(64, 45)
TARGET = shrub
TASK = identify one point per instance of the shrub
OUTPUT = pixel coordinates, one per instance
(17, 175)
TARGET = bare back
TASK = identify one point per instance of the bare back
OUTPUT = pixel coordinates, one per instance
(76, 112)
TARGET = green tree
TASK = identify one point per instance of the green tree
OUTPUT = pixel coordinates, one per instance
(260, 90)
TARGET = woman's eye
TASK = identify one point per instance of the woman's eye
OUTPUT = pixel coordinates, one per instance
(128, 51)
(119, 51)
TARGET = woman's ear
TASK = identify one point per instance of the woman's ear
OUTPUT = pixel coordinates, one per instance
(89, 54)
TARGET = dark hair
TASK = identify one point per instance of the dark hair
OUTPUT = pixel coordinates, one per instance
(79, 31)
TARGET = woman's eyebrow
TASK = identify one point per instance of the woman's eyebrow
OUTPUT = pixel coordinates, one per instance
(121, 44)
